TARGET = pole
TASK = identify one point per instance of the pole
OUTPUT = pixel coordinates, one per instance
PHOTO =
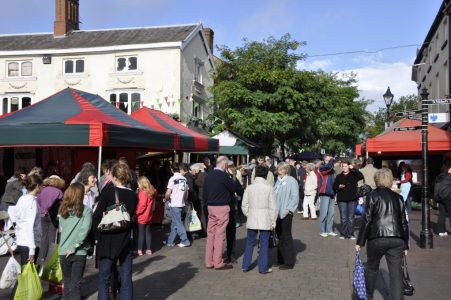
(99, 165)
(426, 239)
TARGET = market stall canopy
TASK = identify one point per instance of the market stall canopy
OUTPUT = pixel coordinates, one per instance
(187, 139)
(76, 118)
(232, 143)
(392, 142)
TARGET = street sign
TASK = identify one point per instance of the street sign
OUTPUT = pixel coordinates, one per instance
(437, 101)
(409, 128)
(411, 117)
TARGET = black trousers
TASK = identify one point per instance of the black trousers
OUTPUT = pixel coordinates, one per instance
(73, 268)
(285, 250)
(231, 235)
(444, 209)
(392, 249)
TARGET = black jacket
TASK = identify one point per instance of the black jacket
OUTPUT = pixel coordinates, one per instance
(219, 188)
(442, 188)
(385, 216)
(349, 192)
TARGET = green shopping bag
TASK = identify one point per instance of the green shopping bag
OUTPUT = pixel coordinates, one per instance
(29, 286)
(52, 270)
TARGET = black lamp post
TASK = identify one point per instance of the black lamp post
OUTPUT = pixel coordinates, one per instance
(388, 98)
(426, 240)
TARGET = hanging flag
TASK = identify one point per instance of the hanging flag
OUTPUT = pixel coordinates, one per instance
(166, 99)
(158, 100)
(179, 101)
(160, 105)
(186, 97)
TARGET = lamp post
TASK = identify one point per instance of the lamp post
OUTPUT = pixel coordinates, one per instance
(426, 240)
(388, 98)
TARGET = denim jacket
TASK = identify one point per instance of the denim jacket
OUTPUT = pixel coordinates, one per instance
(287, 195)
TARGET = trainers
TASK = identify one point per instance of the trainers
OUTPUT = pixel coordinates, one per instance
(300, 212)
(323, 234)
(168, 245)
(443, 233)
(181, 245)
(352, 237)
(342, 237)
(332, 234)
(149, 252)
(139, 253)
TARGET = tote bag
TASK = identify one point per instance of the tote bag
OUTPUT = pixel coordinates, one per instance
(359, 278)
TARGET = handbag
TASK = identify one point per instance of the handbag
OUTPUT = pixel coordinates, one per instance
(359, 278)
(273, 239)
(116, 218)
(408, 286)
(167, 216)
(364, 190)
(192, 222)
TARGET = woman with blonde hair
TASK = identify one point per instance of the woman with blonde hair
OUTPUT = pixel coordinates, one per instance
(75, 223)
(144, 211)
(49, 199)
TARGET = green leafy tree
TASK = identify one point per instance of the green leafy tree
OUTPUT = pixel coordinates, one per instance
(260, 93)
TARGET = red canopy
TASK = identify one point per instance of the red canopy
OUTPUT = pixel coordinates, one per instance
(408, 142)
(188, 140)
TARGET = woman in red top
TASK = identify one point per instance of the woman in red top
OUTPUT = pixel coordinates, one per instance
(146, 198)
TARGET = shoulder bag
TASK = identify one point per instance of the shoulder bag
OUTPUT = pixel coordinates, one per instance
(115, 218)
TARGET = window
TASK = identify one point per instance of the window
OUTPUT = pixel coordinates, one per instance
(19, 69)
(126, 63)
(11, 103)
(198, 68)
(74, 66)
(127, 101)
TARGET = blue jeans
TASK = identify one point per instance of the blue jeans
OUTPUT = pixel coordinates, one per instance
(262, 255)
(347, 212)
(125, 273)
(177, 227)
(326, 214)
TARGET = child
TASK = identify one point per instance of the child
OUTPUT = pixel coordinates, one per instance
(146, 198)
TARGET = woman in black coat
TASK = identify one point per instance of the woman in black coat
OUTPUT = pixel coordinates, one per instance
(442, 194)
(345, 185)
(384, 226)
(113, 247)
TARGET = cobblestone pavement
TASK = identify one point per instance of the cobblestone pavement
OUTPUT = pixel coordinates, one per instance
(323, 270)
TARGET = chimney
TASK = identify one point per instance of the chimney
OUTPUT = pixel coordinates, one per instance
(210, 34)
(66, 17)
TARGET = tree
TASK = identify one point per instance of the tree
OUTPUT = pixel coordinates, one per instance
(260, 93)
(377, 124)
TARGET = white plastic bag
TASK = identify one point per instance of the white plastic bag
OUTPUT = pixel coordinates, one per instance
(167, 217)
(192, 222)
(9, 275)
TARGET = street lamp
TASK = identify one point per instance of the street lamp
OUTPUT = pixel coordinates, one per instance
(426, 240)
(388, 98)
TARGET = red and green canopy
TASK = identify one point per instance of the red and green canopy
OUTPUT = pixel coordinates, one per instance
(187, 139)
(75, 118)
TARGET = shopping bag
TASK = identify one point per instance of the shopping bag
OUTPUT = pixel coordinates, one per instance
(29, 287)
(10, 273)
(408, 286)
(192, 221)
(273, 239)
(52, 270)
(167, 217)
(360, 209)
(359, 278)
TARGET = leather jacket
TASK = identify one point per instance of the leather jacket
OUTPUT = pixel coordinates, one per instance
(385, 216)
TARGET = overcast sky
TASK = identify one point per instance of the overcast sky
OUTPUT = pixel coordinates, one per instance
(327, 26)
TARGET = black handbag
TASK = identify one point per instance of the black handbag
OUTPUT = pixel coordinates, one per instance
(364, 190)
(408, 287)
(273, 239)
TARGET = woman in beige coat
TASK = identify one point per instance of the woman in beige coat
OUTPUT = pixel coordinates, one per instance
(260, 208)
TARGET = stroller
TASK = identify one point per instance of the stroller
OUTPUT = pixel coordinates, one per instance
(7, 234)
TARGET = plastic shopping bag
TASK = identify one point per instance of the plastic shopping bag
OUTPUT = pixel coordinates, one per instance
(167, 218)
(29, 287)
(52, 270)
(192, 222)
(10, 273)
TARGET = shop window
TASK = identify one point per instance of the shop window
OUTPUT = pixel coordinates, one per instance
(11, 103)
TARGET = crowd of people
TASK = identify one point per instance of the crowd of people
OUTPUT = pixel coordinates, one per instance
(264, 195)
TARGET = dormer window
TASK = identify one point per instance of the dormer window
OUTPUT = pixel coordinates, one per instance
(126, 63)
(19, 69)
(74, 66)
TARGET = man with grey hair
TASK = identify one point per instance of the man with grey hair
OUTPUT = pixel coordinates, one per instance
(219, 189)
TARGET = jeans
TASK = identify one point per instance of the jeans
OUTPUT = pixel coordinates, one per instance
(392, 249)
(326, 214)
(347, 212)
(218, 218)
(125, 274)
(144, 237)
(231, 235)
(444, 209)
(177, 227)
(48, 236)
(263, 251)
(73, 268)
(285, 250)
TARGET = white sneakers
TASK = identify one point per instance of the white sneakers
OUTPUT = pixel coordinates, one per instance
(332, 234)
(443, 233)
(323, 234)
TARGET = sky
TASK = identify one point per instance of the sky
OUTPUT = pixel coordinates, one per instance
(327, 26)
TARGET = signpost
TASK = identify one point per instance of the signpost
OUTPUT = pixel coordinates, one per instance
(437, 101)
(408, 128)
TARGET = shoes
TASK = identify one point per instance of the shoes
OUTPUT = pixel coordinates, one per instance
(267, 271)
(300, 212)
(209, 267)
(342, 237)
(149, 252)
(224, 267)
(168, 245)
(232, 260)
(286, 267)
(443, 233)
(181, 245)
(332, 234)
(352, 237)
(324, 234)
(139, 253)
(245, 270)
(304, 218)
(313, 218)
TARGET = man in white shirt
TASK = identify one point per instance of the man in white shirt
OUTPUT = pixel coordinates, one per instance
(177, 194)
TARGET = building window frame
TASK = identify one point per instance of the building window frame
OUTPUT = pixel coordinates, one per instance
(126, 100)
(126, 63)
(14, 102)
(76, 65)
(20, 68)
(198, 70)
